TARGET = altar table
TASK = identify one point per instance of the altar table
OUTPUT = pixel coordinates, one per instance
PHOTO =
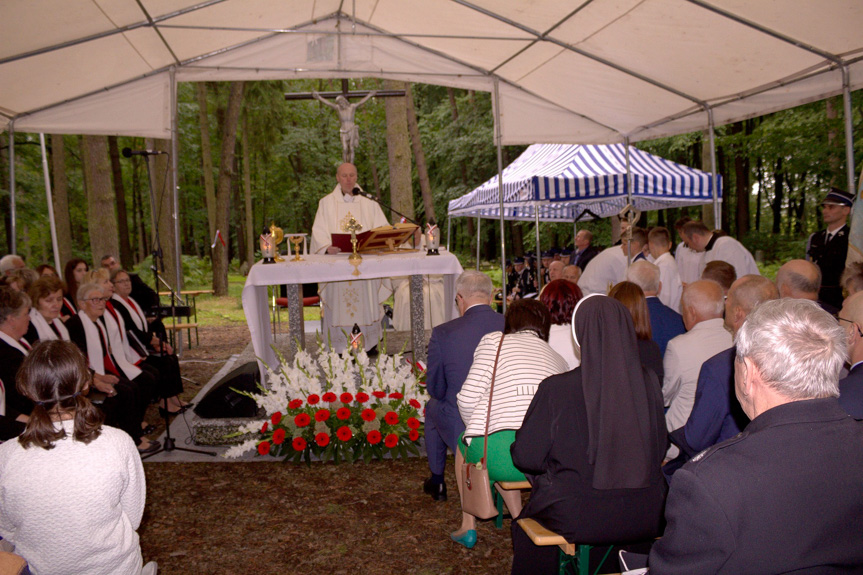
(328, 268)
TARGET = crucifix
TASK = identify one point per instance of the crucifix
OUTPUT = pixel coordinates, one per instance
(348, 130)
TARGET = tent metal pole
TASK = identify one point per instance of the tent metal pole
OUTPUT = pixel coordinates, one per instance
(538, 259)
(50, 201)
(13, 244)
(178, 262)
(717, 212)
(498, 138)
(478, 235)
(448, 232)
(849, 132)
(628, 200)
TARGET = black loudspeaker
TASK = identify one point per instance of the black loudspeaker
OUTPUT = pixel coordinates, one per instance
(222, 401)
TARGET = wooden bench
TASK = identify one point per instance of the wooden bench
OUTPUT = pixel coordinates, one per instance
(570, 553)
(173, 328)
(500, 487)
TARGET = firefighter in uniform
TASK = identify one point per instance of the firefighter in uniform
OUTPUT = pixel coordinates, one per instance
(829, 247)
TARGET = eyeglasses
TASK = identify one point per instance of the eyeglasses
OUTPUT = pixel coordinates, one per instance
(854, 323)
(97, 299)
(125, 281)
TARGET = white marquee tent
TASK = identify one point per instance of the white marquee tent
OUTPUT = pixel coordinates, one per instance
(560, 71)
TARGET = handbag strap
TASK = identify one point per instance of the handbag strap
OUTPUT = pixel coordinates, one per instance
(490, 395)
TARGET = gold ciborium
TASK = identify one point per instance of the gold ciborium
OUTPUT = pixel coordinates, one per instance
(278, 236)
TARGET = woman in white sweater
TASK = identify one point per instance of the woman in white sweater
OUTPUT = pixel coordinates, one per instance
(71, 489)
(525, 360)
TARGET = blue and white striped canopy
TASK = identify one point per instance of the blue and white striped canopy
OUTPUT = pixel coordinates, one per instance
(569, 182)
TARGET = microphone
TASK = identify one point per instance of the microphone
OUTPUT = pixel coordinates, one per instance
(129, 152)
(356, 190)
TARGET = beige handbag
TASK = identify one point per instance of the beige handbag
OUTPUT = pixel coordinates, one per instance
(477, 497)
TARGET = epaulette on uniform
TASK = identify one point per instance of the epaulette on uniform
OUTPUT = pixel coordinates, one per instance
(714, 448)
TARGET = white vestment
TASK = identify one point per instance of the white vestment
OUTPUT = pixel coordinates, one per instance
(352, 302)
(604, 271)
(671, 289)
(727, 249)
(689, 264)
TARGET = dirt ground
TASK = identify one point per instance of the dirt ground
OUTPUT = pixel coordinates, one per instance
(266, 517)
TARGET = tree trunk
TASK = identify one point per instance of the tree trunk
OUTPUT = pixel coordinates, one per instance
(741, 179)
(760, 171)
(223, 189)
(161, 172)
(249, 226)
(399, 152)
(125, 254)
(453, 106)
(373, 163)
(60, 199)
(778, 195)
(206, 157)
(139, 210)
(517, 240)
(419, 157)
(101, 215)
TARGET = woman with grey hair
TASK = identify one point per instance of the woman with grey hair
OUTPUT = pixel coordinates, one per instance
(786, 495)
(14, 321)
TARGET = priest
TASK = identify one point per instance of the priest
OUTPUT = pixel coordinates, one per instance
(344, 304)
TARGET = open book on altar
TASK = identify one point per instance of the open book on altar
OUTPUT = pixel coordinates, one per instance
(384, 238)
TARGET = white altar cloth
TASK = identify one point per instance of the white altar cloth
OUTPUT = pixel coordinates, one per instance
(329, 268)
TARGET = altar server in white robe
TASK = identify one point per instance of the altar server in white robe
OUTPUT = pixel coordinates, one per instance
(659, 240)
(720, 248)
(351, 302)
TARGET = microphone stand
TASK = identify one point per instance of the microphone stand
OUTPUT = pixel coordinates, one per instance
(168, 443)
(358, 192)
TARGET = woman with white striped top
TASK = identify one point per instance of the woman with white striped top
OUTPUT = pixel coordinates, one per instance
(525, 360)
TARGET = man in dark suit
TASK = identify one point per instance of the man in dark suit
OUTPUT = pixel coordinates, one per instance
(851, 388)
(450, 356)
(786, 495)
(584, 251)
(828, 248)
(665, 323)
(716, 414)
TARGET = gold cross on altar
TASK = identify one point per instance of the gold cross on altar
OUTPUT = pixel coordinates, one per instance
(350, 224)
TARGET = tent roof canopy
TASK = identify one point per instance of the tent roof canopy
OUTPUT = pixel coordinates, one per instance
(584, 182)
(584, 71)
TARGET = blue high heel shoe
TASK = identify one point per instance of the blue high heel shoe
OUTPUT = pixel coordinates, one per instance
(468, 538)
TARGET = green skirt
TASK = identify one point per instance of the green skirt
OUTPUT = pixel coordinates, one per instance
(500, 467)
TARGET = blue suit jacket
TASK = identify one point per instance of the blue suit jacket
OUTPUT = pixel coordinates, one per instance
(665, 323)
(851, 392)
(716, 414)
(451, 350)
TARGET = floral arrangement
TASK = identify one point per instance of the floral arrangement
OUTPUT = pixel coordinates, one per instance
(339, 407)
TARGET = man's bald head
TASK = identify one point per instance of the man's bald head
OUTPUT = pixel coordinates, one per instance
(572, 273)
(346, 175)
(701, 301)
(555, 270)
(744, 296)
(799, 279)
(852, 311)
(852, 308)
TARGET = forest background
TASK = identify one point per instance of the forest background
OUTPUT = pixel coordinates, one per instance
(249, 157)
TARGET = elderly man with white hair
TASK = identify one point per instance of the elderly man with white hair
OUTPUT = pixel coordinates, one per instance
(10, 263)
(785, 495)
(702, 303)
(665, 323)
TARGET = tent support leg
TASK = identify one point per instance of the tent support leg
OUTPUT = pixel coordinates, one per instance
(448, 232)
(717, 212)
(498, 138)
(478, 236)
(51, 222)
(849, 132)
(13, 244)
(178, 262)
(538, 251)
(629, 201)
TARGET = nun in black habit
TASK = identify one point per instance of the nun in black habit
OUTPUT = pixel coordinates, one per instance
(592, 443)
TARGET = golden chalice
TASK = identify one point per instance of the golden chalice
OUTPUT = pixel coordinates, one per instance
(278, 236)
(296, 240)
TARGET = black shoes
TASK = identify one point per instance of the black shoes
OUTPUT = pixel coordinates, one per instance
(436, 490)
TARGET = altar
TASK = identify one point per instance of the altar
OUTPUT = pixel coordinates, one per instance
(332, 268)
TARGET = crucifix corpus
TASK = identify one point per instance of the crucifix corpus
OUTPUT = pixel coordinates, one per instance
(348, 130)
